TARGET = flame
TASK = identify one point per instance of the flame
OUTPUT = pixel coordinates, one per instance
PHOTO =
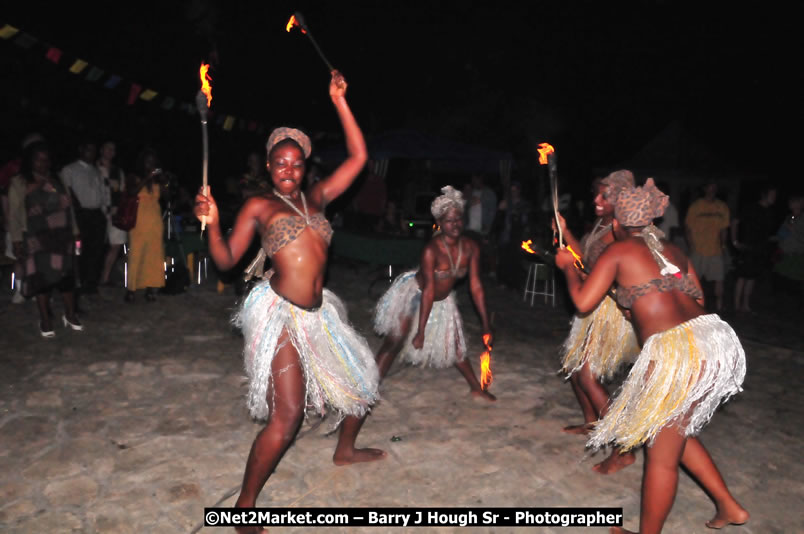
(526, 246)
(544, 150)
(293, 22)
(206, 88)
(485, 364)
(577, 257)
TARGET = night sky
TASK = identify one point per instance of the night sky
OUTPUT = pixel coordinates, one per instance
(597, 80)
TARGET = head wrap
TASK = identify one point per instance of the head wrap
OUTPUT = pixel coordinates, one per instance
(451, 198)
(616, 182)
(280, 134)
(638, 206)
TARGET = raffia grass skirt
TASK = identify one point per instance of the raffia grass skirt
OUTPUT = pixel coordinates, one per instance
(444, 343)
(680, 378)
(339, 368)
(603, 338)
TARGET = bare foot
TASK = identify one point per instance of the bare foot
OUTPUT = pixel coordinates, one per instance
(578, 429)
(734, 516)
(621, 530)
(483, 394)
(615, 462)
(358, 455)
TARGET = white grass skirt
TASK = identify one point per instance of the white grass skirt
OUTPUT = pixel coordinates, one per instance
(339, 367)
(444, 344)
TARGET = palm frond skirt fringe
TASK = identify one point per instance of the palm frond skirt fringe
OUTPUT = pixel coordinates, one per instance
(444, 343)
(338, 364)
(680, 378)
(603, 338)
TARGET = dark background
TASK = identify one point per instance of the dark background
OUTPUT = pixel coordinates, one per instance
(597, 80)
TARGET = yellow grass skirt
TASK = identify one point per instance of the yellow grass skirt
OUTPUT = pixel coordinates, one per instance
(681, 376)
(604, 338)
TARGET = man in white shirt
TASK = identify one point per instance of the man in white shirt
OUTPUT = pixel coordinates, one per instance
(83, 180)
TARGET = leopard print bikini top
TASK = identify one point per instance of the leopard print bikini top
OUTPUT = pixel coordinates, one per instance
(627, 295)
(287, 229)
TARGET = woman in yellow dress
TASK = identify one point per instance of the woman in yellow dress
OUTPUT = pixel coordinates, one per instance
(146, 254)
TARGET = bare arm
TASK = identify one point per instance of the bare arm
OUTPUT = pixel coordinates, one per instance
(476, 289)
(339, 181)
(226, 253)
(587, 294)
(427, 270)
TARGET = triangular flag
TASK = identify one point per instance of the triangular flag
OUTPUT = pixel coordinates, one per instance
(228, 123)
(168, 102)
(78, 66)
(133, 93)
(25, 40)
(94, 74)
(112, 82)
(53, 54)
(148, 95)
(8, 31)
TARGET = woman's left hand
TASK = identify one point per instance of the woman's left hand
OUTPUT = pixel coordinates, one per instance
(418, 341)
(490, 341)
(337, 85)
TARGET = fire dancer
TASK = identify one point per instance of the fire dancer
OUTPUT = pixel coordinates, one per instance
(690, 360)
(425, 297)
(599, 341)
(300, 349)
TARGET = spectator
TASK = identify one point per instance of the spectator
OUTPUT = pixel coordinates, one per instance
(86, 185)
(391, 222)
(147, 250)
(669, 223)
(7, 172)
(791, 243)
(707, 224)
(255, 179)
(751, 235)
(517, 214)
(44, 230)
(114, 183)
(479, 218)
(371, 198)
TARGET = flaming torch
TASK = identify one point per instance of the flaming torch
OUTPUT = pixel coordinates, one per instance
(526, 246)
(298, 20)
(485, 364)
(547, 156)
(202, 101)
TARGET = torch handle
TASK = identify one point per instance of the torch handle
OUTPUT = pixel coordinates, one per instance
(205, 166)
(318, 48)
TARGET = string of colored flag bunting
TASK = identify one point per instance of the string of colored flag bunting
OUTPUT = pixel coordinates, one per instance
(109, 80)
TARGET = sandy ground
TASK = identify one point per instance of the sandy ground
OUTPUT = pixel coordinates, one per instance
(138, 423)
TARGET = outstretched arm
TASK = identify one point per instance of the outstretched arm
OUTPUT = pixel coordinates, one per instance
(427, 270)
(226, 253)
(588, 293)
(476, 289)
(339, 181)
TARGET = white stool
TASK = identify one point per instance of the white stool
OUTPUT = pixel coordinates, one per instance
(540, 272)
